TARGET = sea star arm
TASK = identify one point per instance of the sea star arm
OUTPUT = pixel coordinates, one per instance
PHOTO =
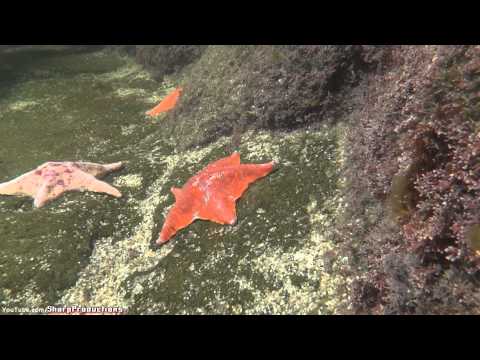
(231, 160)
(168, 103)
(17, 186)
(98, 170)
(237, 182)
(9, 187)
(88, 182)
(180, 216)
(46, 193)
(219, 209)
(176, 192)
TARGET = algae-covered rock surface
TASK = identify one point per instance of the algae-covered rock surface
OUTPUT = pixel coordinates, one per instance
(88, 249)
(373, 207)
(231, 89)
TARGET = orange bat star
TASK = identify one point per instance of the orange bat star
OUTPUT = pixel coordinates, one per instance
(168, 103)
(211, 194)
(52, 179)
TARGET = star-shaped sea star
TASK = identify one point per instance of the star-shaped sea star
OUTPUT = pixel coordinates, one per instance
(168, 103)
(211, 194)
(52, 179)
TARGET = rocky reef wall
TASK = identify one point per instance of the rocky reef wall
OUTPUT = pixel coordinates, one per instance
(411, 232)
(374, 208)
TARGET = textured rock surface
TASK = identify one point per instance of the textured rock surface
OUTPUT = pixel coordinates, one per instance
(336, 230)
(414, 181)
(82, 250)
(412, 141)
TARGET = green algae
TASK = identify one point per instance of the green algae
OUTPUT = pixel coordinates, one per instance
(94, 250)
(282, 234)
(473, 238)
(60, 118)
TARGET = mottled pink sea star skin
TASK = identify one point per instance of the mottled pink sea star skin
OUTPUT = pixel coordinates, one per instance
(211, 194)
(50, 180)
